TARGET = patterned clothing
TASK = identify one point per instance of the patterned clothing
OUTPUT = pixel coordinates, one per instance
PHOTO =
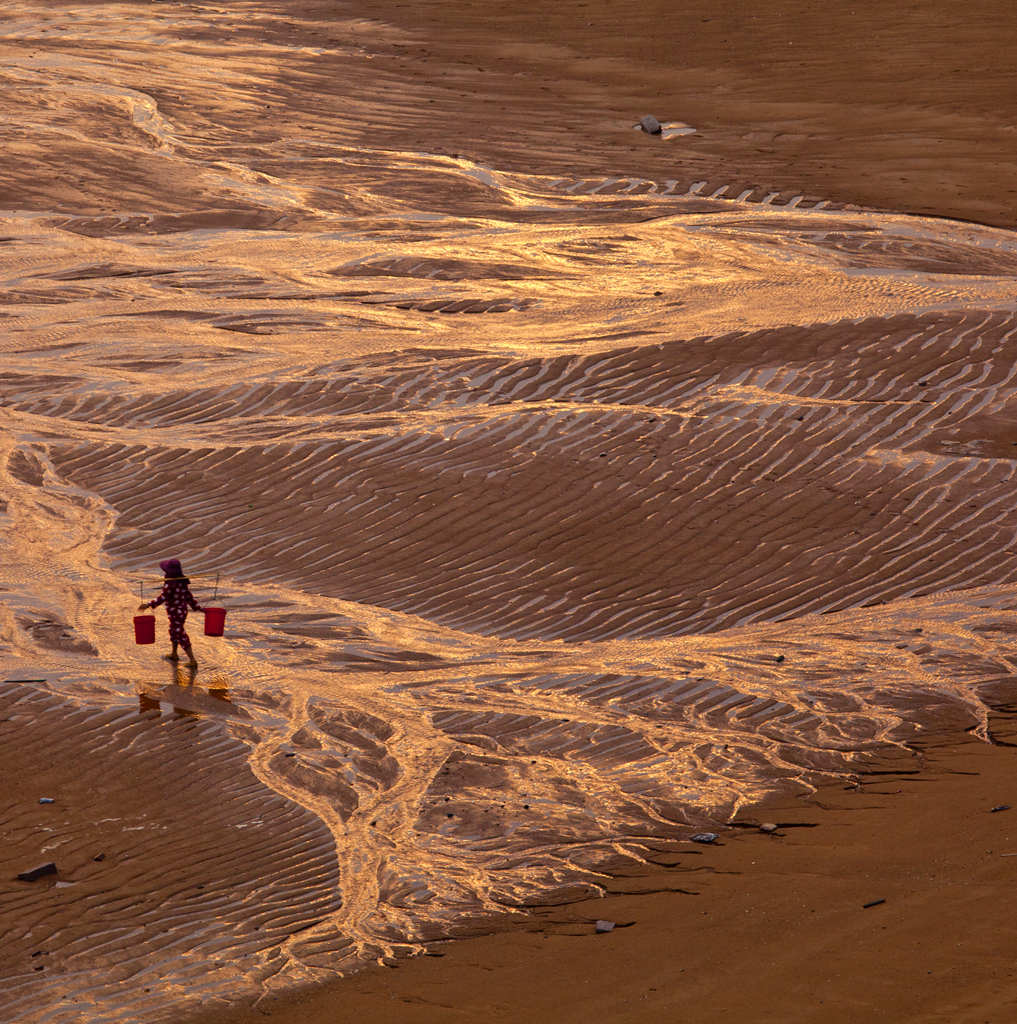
(177, 595)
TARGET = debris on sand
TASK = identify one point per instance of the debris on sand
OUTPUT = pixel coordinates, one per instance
(669, 130)
(49, 868)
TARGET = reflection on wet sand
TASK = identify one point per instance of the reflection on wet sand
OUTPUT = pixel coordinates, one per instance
(185, 697)
(561, 517)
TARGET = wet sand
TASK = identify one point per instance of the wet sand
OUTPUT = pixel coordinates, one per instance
(571, 491)
(886, 899)
(168, 852)
(906, 109)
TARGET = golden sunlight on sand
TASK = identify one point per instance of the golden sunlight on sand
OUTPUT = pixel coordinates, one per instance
(573, 490)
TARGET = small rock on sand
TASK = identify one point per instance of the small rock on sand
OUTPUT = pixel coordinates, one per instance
(31, 875)
(650, 124)
(705, 837)
(605, 926)
(768, 826)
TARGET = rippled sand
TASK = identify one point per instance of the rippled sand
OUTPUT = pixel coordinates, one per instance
(558, 516)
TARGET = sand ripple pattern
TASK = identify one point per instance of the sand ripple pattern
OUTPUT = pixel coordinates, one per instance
(556, 518)
(174, 861)
(649, 491)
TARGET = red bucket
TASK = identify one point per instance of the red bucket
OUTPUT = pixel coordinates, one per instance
(215, 621)
(144, 629)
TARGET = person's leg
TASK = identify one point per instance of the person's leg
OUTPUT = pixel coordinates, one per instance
(185, 642)
(177, 636)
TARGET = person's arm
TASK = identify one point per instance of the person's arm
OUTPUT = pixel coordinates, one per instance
(190, 600)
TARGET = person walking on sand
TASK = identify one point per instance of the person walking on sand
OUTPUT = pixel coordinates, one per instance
(176, 592)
